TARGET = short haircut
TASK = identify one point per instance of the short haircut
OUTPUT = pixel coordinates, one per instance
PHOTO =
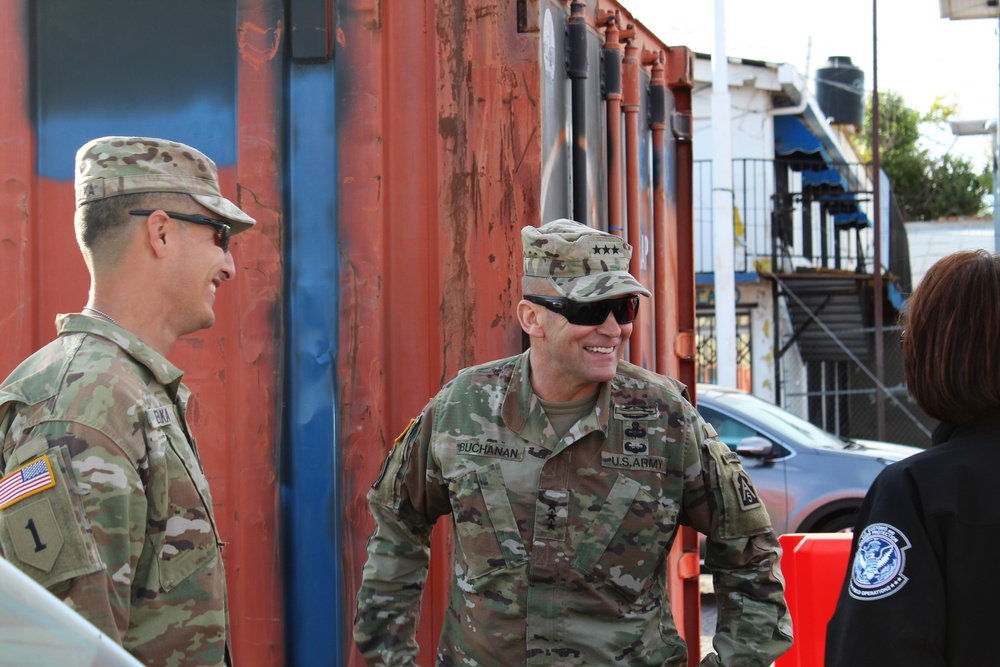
(537, 285)
(104, 227)
(951, 359)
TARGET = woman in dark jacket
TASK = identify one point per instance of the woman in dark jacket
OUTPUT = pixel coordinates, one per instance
(922, 586)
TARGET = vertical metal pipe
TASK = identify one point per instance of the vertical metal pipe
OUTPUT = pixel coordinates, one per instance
(611, 63)
(680, 80)
(630, 105)
(576, 69)
(877, 264)
(661, 245)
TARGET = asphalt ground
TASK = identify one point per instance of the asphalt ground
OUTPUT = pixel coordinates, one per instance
(709, 614)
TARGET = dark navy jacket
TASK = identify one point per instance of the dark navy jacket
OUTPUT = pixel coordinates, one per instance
(922, 586)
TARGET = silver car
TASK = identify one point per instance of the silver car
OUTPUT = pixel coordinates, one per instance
(810, 480)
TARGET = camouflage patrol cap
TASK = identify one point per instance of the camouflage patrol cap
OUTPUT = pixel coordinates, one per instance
(111, 166)
(582, 263)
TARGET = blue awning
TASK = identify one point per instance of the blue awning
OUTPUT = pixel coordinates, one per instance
(792, 139)
(796, 144)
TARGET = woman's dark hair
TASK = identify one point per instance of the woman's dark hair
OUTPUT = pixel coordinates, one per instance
(951, 343)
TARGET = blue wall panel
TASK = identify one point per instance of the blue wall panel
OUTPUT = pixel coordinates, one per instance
(314, 619)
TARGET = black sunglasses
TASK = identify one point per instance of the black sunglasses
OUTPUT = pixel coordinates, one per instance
(624, 309)
(222, 229)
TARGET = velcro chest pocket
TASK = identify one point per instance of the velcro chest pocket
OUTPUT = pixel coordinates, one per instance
(627, 540)
(180, 525)
(486, 532)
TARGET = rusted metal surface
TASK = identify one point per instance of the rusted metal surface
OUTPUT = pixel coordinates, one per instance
(679, 75)
(451, 133)
(612, 63)
(232, 368)
(432, 202)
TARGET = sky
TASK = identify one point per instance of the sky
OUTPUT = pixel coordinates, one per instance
(920, 55)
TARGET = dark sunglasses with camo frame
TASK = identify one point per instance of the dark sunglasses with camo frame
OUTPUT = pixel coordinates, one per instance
(591, 314)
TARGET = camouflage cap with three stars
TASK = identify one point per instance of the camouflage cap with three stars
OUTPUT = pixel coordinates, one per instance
(582, 263)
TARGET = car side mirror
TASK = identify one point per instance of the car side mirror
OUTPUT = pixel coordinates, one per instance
(755, 447)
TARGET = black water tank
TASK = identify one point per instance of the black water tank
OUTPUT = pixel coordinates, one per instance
(840, 91)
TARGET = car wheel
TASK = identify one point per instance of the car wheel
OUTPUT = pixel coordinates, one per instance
(843, 523)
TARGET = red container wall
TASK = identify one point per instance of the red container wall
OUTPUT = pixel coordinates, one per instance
(232, 368)
(441, 163)
(439, 168)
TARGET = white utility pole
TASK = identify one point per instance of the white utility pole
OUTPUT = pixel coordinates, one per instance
(724, 242)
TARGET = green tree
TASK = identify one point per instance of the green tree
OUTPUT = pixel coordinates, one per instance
(927, 186)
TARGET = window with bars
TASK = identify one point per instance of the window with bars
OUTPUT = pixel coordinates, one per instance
(707, 352)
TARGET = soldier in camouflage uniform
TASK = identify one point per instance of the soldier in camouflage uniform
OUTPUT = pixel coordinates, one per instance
(567, 472)
(103, 499)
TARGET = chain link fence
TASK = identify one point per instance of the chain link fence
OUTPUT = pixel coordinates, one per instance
(845, 398)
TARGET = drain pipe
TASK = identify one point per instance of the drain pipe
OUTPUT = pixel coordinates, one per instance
(630, 104)
(684, 558)
(576, 69)
(663, 271)
(611, 87)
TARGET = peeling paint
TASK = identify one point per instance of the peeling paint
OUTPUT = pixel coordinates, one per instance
(259, 45)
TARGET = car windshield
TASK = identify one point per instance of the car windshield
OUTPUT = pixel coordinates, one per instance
(779, 421)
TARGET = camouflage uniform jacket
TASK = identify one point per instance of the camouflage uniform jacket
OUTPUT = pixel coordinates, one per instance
(561, 544)
(121, 527)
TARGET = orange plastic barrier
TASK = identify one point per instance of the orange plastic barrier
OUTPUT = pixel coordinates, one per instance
(814, 565)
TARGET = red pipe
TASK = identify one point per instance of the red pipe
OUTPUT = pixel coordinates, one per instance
(663, 268)
(630, 105)
(680, 81)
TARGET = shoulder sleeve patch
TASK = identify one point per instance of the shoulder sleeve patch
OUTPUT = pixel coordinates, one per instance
(45, 532)
(385, 489)
(741, 511)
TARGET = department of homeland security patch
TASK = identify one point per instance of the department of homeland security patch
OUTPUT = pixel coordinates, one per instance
(878, 566)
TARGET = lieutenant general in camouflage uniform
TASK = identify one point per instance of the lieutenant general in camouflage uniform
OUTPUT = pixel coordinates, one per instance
(567, 472)
(103, 499)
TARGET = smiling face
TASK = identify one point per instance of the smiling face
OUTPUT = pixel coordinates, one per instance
(200, 268)
(571, 361)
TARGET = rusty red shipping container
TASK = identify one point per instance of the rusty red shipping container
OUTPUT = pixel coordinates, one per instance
(391, 153)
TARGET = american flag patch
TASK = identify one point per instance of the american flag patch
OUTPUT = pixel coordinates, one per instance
(26, 481)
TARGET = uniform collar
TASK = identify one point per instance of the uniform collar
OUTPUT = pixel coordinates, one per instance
(523, 412)
(165, 372)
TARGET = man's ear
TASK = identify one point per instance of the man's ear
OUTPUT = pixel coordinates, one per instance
(530, 319)
(159, 230)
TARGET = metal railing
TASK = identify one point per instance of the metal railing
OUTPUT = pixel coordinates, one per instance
(787, 215)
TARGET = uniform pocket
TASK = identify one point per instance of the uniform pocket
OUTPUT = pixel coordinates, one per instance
(626, 542)
(487, 537)
(180, 525)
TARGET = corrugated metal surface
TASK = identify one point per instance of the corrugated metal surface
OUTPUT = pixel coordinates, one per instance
(73, 71)
(453, 133)
(390, 185)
